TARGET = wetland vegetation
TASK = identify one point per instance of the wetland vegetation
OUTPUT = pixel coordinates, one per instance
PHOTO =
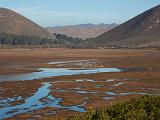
(141, 108)
(58, 83)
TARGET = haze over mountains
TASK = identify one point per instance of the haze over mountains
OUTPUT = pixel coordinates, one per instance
(14, 23)
(82, 31)
(141, 31)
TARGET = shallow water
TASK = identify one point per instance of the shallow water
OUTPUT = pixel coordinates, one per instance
(43, 98)
(118, 84)
(72, 61)
(108, 98)
(98, 86)
(52, 72)
(126, 93)
(6, 102)
(86, 92)
(40, 99)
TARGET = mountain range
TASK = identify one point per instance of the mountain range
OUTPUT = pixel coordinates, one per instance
(82, 31)
(142, 31)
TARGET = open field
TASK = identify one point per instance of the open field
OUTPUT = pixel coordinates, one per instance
(140, 75)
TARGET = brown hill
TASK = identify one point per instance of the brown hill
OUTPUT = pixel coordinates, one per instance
(141, 31)
(14, 23)
(82, 31)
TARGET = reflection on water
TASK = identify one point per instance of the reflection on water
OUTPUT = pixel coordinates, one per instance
(41, 99)
(52, 72)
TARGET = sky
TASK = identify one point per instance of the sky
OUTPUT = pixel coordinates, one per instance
(49, 13)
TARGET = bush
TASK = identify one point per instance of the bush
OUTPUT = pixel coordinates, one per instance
(143, 108)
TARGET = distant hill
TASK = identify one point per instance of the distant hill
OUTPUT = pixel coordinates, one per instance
(141, 31)
(82, 31)
(14, 23)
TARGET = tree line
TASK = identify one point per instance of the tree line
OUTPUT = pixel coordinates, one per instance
(56, 40)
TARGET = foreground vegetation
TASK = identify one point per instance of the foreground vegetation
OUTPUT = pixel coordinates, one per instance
(143, 108)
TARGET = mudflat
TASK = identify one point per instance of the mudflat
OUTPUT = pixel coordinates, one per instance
(66, 94)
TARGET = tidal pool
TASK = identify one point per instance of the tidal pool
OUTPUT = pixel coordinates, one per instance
(52, 72)
(40, 99)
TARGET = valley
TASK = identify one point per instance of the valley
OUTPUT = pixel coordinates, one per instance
(79, 60)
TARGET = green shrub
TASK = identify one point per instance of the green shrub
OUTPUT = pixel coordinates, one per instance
(143, 108)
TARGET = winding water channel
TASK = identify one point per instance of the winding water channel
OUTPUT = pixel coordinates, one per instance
(43, 98)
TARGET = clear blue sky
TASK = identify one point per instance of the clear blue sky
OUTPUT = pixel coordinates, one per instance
(68, 12)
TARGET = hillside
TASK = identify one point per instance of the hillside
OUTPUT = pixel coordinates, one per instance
(141, 31)
(82, 31)
(14, 23)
